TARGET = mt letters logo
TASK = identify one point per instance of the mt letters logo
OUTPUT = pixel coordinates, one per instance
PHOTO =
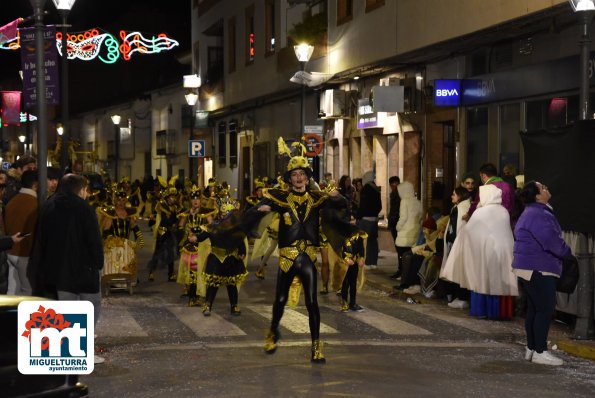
(56, 337)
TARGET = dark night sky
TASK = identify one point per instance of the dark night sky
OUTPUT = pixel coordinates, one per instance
(93, 83)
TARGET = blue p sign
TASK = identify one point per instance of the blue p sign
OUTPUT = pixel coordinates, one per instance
(196, 148)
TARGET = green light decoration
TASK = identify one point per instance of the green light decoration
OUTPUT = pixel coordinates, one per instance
(95, 43)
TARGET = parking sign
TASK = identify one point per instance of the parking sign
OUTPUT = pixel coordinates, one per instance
(196, 148)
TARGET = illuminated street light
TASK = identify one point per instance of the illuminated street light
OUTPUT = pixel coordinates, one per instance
(303, 52)
(116, 119)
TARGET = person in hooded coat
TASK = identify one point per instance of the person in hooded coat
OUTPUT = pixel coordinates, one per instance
(481, 256)
(409, 224)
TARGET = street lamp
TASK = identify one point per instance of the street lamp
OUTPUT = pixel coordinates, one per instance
(22, 139)
(42, 112)
(583, 328)
(64, 7)
(116, 120)
(303, 52)
(191, 84)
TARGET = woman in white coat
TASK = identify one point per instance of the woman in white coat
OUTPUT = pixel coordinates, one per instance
(481, 257)
(410, 215)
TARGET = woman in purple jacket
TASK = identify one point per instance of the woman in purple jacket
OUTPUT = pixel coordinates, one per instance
(538, 252)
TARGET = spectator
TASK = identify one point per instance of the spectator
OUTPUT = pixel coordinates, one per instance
(53, 176)
(488, 175)
(13, 183)
(458, 297)
(537, 261)
(68, 254)
(509, 175)
(410, 213)
(357, 184)
(368, 217)
(21, 216)
(469, 182)
(481, 256)
(393, 215)
(346, 189)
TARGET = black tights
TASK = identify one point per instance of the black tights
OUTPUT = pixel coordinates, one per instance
(350, 284)
(305, 270)
(232, 292)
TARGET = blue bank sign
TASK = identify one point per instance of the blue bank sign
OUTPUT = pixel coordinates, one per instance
(447, 92)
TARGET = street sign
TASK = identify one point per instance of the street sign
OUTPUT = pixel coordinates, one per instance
(196, 148)
(316, 129)
(314, 144)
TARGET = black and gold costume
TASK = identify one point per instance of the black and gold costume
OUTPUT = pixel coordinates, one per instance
(225, 263)
(298, 239)
(117, 224)
(165, 227)
(193, 254)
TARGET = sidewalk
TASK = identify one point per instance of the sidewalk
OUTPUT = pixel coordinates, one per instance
(560, 334)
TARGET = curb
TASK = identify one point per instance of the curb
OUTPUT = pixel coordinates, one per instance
(579, 348)
(584, 349)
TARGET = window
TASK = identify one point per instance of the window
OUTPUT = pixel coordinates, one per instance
(161, 142)
(344, 11)
(373, 4)
(231, 40)
(269, 33)
(214, 64)
(510, 141)
(477, 138)
(552, 112)
(250, 36)
(222, 147)
(233, 143)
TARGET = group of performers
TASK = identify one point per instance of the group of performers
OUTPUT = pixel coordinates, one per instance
(293, 219)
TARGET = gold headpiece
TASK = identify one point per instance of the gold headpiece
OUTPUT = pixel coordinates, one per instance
(168, 187)
(195, 192)
(297, 161)
(259, 183)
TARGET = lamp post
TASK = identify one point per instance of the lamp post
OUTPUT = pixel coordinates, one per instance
(116, 120)
(22, 139)
(64, 7)
(191, 84)
(583, 328)
(303, 52)
(42, 113)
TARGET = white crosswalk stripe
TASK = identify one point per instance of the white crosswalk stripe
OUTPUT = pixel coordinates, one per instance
(292, 320)
(215, 325)
(385, 323)
(127, 326)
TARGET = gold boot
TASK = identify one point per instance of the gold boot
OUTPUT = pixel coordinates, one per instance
(317, 355)
(193, 302)
(151, 276)
(206, 309)
(270, 342)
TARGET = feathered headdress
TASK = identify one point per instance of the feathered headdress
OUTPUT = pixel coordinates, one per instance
(168, 187)
(297, 160)
(195, 192)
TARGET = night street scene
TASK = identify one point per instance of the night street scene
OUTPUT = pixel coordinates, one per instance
(297, 198)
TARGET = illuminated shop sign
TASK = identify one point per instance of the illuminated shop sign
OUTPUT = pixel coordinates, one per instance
(447, 92)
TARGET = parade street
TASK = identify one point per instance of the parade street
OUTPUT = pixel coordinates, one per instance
(155, 345)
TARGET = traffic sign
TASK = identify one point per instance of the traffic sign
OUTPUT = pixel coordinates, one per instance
(196, 148)
(314, 144)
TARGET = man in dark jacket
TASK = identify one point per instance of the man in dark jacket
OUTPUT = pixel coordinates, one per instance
(68, 253)
(367, 216)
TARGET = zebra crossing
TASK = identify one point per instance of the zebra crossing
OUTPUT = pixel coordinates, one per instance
(294, 322)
